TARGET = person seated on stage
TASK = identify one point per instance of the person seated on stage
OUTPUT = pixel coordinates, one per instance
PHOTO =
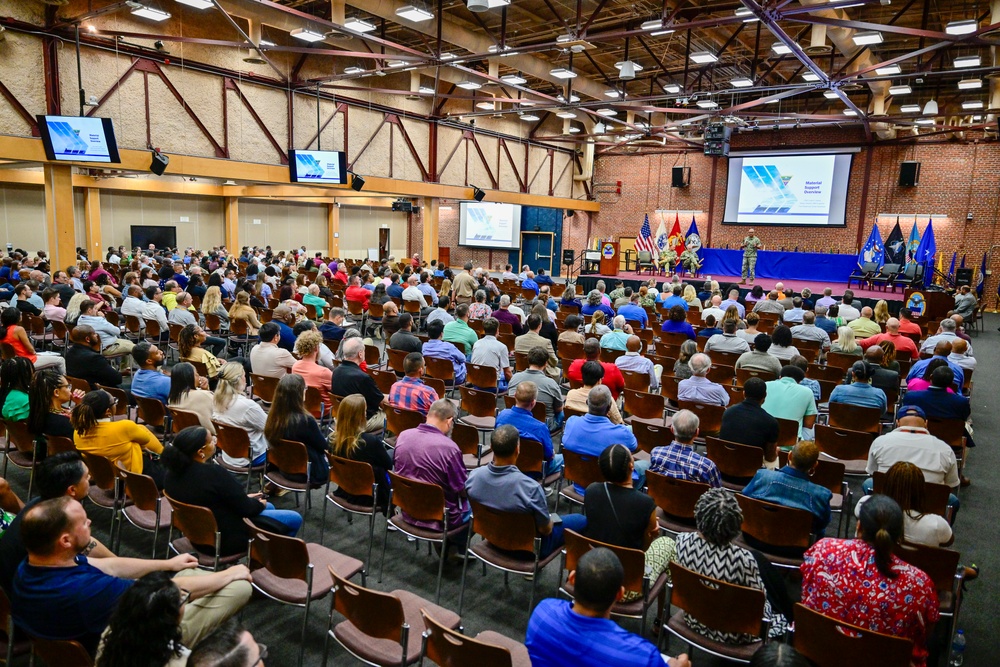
(809, 330)
(698, 388)
(788, 399)
(690, 261)
(747, 423)
(795, 313)
(864, 326)
(613, 378)
(727, 340)
(673, 297)
(781, 343)
(770, 305)
(667, 260)
(846, 343)
(759, 358)
(632, 360)
(633, 311)
(677, 323)
(965, 302)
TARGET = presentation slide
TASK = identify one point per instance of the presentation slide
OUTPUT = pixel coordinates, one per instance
(78, 138)
(318, 167)
(788, 189)
(485, 225)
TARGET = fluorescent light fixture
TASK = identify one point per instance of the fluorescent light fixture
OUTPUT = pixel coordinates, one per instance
(655, 24)
(354, 69)
(961, 61)
(888, 70)
(743, 12)
(527, 117)
(572, 98)
(704, 57)
(965, 27)
(563, 39)
(563, 73)
(358, 25)
(910, 108)
(307, 35)
(901, 90)
(489, 106)
(970, 84)
(707, 104)
(752, 19)
(469, 85)
(741, 82)
(849, 112)
(150, 13)
(396, 63)
(566, 114)
(612, 93)
(809, 76)
(607, 112)
(574, 130)
(781, 49)
(866, 38)
(772, 102)
(672, 88)
(976, 119)
(924, 121)
(831, 94)
(527, 103)
(197, 4)
(513, 79)
(972, 104)
(447, 56)
(415, 14)
(427, 90)
(265, 42)
(665, 31)
(493, 4)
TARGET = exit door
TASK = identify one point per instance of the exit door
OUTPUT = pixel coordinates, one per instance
(383, 242)
(536, 250)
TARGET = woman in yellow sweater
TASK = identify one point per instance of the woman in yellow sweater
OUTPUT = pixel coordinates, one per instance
(123, 440)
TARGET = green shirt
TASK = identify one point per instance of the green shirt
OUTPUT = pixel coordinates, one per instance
(750, 245)
(15, 408)
(460, 332)
(786, 399)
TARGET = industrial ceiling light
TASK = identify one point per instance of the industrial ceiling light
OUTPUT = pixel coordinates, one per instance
(563, 73)
(566, 114)
(358, 25)
(427, 90)
(931, 108)
(831, 95)
(469, 85)
(672, 88)
(972, 104)
(527, 117)
(704, 57)
(910, 108)
(965, 27)
(924, 121)
(486, 106)
(746, 14)
(655, 24)
(741, 82)
(574, 130)
(197, 4)
(477, 193)
(964, 61)
(902, 89)
(781, 49)
(354, 69)
(527, 103)
(867, 38)
(665, 31)
(809, 76)
(970, 84)
(607, 112)
(396, 63)
(478, 6)
(307, 35)
(513, 79)
(447, 56)
(598, 128)
(627, 69)
(888, 70)
(849, 112)
(415, 14)
(572, 98)
(707, 104)
(612, 93)
(147, 12)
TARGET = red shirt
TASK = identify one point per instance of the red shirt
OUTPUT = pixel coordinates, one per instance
(358, 293)
(909, 326)
(341, 276)
(905, 347)
(840, 580)
(613, 378)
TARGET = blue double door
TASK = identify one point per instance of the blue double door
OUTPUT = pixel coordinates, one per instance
(537, 250)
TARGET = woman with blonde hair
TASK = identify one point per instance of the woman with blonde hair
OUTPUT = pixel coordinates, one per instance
(349, 441)
(307, 350)
(597, 325)
(231, 406)
(262, 287)
(690, 296)
(881, 312)
(212, 305)
(846, 342)
(733, 313)
(242, 310)
(73, 308)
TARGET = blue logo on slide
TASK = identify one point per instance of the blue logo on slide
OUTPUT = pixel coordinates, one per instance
(66, 140)
(771, 185)
(308, 166)
(482, 220)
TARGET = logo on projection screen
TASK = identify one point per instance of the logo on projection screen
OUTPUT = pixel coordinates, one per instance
(772, 186)
(309, 166)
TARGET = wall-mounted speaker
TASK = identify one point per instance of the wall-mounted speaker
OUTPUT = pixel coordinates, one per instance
(159, 163)
(680, 177)
(909, 174)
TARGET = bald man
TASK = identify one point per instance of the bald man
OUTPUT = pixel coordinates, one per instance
(790, 486)
(864, 326)
(960, 355)
(905, 347)
(633, 361)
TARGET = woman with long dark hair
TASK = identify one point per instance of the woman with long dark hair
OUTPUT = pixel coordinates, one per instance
(288, 420)
(349, 441)
(15, 381)
(904, 483)
(47, 398)
(189, 392)
(192, 478)
(189, 342)
(145, 628)
(677, 322)
(13, 334)
(122, 440)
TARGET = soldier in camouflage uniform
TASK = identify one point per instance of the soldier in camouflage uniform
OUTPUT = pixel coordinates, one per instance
(751, 244)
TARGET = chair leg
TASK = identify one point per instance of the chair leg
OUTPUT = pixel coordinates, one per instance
(305, 625)
(371, 540)
(444, 555)
(465, 567)
(329, 628)
(385, 539)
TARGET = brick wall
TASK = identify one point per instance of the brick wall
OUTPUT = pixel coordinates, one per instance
(955, 179)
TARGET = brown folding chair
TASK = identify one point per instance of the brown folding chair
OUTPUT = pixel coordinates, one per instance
(645, 407)
(480, 408)
(721, 374)
(636, 380)
(941, 565)
(445, 646)
(396, 358)
(844, 445)
(182, 419)
(709, 416)
(936, 496)
(828, 373)
(22, 454)
(105, 488)
(54, 444)
(737, 463)
(855, 417)
(61, 653)
(121, 400)
(531, 461)
(788, 432)
(520, 361)
(787, 529)
(481, 377)
(264, 387)
(675, 499)
(234, 441)
(841, 360)
(744, 374)
(828, 642)
(442, 369)
(355, 478)
(578, 469)
(650, 436)
(474, 452)
(290, 457)
(200, 535)
(149, 510)
(383, 379)
(153, 414)
(398, 420)
(291, 571)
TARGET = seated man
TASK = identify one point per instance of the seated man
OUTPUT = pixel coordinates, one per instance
(348, 378)
(333, 328)
(847, 309)
(795, 314)
(822, 321)
(531, 339)
(715, 310)
(787, 399)
(592, 373)
(404, 338)
(758, 358)
(581, 632)
(633, 311)
(153, 309)
(410, 392)
(355, 292)
(790, 486)
(439, 313)
(111, 345)
(860, 392)
(770, 305)
(959, 355)
(941, 351)
(266, 358)
(459, 331)
(413, 292)
(491, 352)
(734, 300)
(617, 338)
(503, 487)
(747, 423)
(710, 328)
(938, 403)
(678, 459)
(439, 349)
(59, 594)
(521, 417)
(504, 315)
(85, 361)
(808, 330)
(727, 341)
(905, 347)
(548, 389)
(864, 326)
(635, 362)
(149, 382)
(592, 433)
(881, 378)
(613, 378)
(698, 388)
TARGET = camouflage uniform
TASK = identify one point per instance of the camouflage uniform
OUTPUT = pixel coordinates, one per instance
(750, 246)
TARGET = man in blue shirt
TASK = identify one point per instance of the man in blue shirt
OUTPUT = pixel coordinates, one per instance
(733, 300)
(521, 417)
(439, 349)
(941, 351)
(427, 289)
(394, 288)
(675, 299)
(824, 322)
(149, 382)
(529, 282)
(633, 311)
(790, 486)
(282, 316)
(592, 433)
(581, 633)
(542, 278)
(860, 392)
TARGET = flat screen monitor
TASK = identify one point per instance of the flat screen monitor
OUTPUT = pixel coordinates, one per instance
(489, 225)
(78, 139)
(325, 167)
(161, 237)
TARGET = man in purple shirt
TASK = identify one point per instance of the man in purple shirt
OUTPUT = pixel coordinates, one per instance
(440, 349)
(503, 315)
(698, 388)
(428, 454)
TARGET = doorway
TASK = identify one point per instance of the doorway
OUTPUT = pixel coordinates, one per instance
(383, 242)
(536, 250)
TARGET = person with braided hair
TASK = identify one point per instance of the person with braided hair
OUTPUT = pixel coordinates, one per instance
(862, 582)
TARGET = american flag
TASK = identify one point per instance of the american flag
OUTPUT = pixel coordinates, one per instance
(645, 241)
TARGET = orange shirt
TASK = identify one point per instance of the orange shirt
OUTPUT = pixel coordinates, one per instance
(12, 339)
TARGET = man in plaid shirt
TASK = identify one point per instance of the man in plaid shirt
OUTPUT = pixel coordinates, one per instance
(679, 460)
(410, 393)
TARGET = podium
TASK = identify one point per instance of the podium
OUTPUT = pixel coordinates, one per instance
(609, 258)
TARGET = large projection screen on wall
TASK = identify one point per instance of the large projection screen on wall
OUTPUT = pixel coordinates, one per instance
(801, 189)
(490, 225)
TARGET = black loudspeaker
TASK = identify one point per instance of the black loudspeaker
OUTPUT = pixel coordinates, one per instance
(357, 182)
(909, 174)
(159, 163)
(478, 194)
(569, 257)
(681, 177)
(963, 277)
(570, 213)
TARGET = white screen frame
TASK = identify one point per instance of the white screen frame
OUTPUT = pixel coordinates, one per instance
(464, 241)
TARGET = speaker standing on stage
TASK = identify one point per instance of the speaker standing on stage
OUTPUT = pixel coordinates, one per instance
(751, 244)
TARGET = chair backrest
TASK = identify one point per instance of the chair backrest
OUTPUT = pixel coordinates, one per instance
(355, 477)
(421, 500)
(841, 360)
(441, 369)
(710, 416)
(466, 437)
(633, 560)
(398, 420)
(196, 522)
(674, 496)
(57, 443)
(383, 379)
(283, 556)
(733, 459)
(102, 473)
(479, 403)
(775, 525)
(288, 456)
(855, 417)
(373, 613)
(937, 563)
(717, 604)
(183, 419)
(121, 407)
(18, 433)
(510, 531)
(828, 642)
(788, 432)
(643, 404)
(484, 377)
(140, 488)
(744, 374)
(233, 440)
(721, 374)
(842, 443)
(445, 646)
(830, 373)
(636, 380)
(396, 358)
(581, 469)
(151, 410)
(531, 457)
(951, 431)
(936, 496)
(78, 384)
(264, 387)
(650, 436)
(62, 653)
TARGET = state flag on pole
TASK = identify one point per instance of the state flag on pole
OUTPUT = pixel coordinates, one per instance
(661, 236)
(645, 242)
(981, 278)
(926, 251)
(692, 240)
(951, 269)
(912, 244)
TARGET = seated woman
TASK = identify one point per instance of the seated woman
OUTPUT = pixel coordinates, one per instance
(594, 304)
(690, 297)
(262, 287)
(904, 483)
(711, 551)
(923, 383)
(889, 355)
(15, 382)
(349, 441)
(677, 323)
(47, 398)
(189, 392)
(781, 343)
(121, 440)
(863, 583)
(13, 334)
(189, 342)
(681, 368)
(845, 343)
(480, 310)
(242, 310)
(756, 294)
(192, 478)
(307, 348)
(597, 325)
(211, 304)
(620, 515)
(571, 332)
(232, 406)
(379, 296)
(569, 297)
(288, 420)
(324, 286)
(104, 287)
